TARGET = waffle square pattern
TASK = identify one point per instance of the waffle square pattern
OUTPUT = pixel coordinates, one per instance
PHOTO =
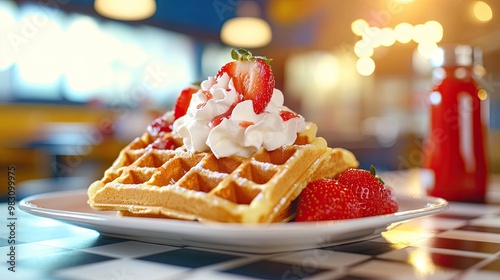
(198, 186)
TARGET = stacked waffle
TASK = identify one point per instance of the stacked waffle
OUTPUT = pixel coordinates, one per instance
(197, 186)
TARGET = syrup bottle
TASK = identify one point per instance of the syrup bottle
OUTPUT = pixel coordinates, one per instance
(454, 155)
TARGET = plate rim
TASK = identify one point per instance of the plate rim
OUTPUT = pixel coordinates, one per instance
(27, 205)
(251, 232)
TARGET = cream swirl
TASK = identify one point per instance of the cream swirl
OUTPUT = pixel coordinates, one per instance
(243, 132)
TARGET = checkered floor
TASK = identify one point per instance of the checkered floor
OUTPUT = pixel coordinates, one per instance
(463, 241)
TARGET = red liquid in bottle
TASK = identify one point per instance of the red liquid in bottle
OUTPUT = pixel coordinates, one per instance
(454, 152)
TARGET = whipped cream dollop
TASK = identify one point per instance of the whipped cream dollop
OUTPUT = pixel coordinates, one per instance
(242, 132)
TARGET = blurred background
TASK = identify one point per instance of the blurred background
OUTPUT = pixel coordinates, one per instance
(80, 78)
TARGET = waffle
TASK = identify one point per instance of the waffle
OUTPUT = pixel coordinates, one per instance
(197, 186)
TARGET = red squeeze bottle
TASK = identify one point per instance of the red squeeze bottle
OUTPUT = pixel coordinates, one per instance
(454, 157)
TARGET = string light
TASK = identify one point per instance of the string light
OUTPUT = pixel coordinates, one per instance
(426, 35)
(404, 32)
(365, 66)
(359, 26)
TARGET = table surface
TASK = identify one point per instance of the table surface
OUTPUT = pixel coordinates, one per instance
(460, 243)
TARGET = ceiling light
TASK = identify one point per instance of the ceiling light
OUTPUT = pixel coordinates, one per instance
(125, 9)
(246, 32)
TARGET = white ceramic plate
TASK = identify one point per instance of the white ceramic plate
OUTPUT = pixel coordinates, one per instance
(71, 207)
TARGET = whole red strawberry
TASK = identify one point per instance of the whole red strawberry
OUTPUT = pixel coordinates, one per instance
(374, 197)
(326, 199)
(252, 78)
(391, 203)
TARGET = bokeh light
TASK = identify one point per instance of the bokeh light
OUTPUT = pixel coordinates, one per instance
(482, 94)
(246, 32)
(435, 98)
(434, 31)
(426, 48)
(33, 62)
(7, 22)
(387, 36)
(426, 35)
(363, 49)
(365, 66)
(373, 36)
(419, 33)
(404, 32)
(482, 11)
(359, 26)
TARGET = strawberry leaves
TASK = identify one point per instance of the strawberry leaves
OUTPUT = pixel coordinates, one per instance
(242, 54)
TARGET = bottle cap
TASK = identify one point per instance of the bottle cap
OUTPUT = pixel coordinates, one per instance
(457, 55)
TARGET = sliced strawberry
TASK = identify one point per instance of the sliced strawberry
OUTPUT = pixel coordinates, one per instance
(182, 103)
(158, 126)
(163, 144)
(327, 199)
(374, 197)
(252, 78)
